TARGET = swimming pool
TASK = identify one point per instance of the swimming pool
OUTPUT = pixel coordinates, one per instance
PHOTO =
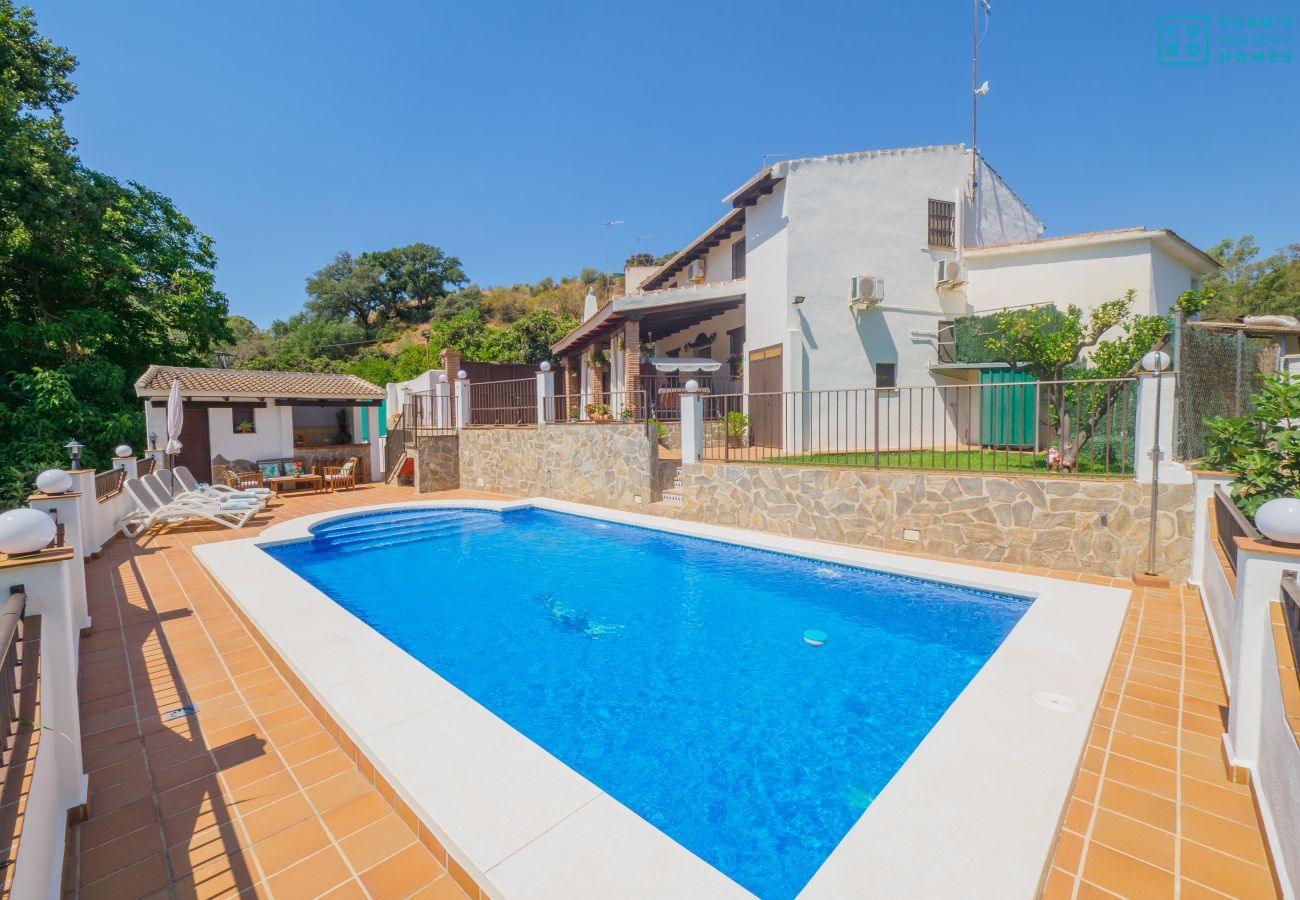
(669, 670)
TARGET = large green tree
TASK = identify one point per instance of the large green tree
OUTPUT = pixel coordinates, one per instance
(98, 277)
(1250, 286)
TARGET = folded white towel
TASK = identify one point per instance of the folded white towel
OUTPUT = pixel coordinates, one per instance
(235, 505)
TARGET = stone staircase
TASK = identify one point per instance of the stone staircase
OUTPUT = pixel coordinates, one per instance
(668, 482)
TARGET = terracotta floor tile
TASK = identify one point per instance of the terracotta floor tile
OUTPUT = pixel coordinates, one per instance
(1125, 875)
(1225, 835)
(286, 847)
(275, 817)
(119, 853)
(376, 842)
(138, 880)
(355, 814)
(402, 874)
(338, 790)
(311, 876)
(1225, 873)
(1147, 843)
(445, 888)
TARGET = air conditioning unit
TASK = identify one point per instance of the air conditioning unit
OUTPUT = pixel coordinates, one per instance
(866, 291)
(949, 272)
(695, 271)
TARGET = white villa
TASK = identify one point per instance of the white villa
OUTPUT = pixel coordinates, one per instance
(840, 272)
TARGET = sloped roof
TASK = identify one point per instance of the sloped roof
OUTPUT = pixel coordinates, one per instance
(157, 381)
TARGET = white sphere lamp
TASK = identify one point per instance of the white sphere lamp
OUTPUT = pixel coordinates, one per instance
(442, 378)
(1279, 520)
(25, 531)
(1155, 361)
(691, 386)
(545, 366)
(122, 451)
(54, 481)
(462, 374)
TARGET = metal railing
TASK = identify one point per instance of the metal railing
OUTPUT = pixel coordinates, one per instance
(1289, 594)
(1231, 524)
(512, 402)
(109, 483)
(663, 392)
(598, 407)
(428, 412)
(1079, 427)
(146, 466)
(11, 639)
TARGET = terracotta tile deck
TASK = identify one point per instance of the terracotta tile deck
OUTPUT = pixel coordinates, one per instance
(252, 796)
(1154, 813)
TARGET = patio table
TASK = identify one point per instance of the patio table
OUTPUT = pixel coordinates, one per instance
(289, 483)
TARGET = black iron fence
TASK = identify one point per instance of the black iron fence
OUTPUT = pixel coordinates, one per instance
(11, 639)
(1231, 524)
(512, 402)
(109, 483)
(1083, 427)
(1289, 594)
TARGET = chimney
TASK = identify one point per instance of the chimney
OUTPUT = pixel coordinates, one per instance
(590, 304)
(450, 362)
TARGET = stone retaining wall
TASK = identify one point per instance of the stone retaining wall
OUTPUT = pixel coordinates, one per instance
(608, 465)
(1097, 527)
(437, 463)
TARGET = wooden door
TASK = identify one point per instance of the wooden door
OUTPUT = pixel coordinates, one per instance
(766, 404)
(196, 448)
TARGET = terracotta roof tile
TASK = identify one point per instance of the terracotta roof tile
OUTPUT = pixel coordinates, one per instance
(158, 380)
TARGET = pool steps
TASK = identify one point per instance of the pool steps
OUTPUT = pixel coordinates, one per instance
(402, 530)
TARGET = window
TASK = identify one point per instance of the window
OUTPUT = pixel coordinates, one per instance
(886, 375)
(943, 224)
(244, 421)
(738, 259)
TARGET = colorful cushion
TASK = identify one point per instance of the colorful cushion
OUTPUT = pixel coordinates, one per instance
(294, 468)
(346, 469)
(270, 470)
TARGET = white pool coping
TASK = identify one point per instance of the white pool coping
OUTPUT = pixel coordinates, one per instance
(972, 812)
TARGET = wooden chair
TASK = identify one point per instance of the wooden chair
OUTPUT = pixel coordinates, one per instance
(341, 477)
(242, 481)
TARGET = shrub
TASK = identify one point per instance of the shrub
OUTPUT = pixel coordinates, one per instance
(1261, 450)
(737, 425)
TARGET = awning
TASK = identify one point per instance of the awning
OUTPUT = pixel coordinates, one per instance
(668, 364)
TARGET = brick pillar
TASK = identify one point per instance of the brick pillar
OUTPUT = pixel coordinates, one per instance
(572, 386)
(632, 367)
(450, 362)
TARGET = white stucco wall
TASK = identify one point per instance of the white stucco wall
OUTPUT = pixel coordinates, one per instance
(1085, 276)
(767, 296)
(867, 216)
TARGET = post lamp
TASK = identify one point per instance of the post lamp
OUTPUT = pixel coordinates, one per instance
(122, 451)
(1155, 363)
(153, 440)
(25, 531)
(74, 451)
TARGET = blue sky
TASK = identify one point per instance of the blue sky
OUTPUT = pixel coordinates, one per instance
(505, 133)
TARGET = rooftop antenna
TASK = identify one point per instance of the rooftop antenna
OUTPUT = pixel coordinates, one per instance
(639, 238)
(767, 156)
(977, 90)
(609, 223)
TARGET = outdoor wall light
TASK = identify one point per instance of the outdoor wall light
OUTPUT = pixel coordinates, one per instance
(25, 531)
(462, 374)
(799, 299)
(692, 386)
(153, 440)
(1279, 520)
(1155, 361)
(122, 451)
(74, 451)
(545, 366)
(54, 481)
(442, 378)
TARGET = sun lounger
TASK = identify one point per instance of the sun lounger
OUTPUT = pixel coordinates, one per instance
(188, 483)
(160, 484)
(152, 512)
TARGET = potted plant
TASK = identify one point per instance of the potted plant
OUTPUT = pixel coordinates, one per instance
(1261, 450)
(244, 428)
(299, 440)
(626, 414)
(661, 433)
(599, 412)
(737, 429)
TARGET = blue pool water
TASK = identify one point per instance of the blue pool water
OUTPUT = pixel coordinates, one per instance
(672, 671)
